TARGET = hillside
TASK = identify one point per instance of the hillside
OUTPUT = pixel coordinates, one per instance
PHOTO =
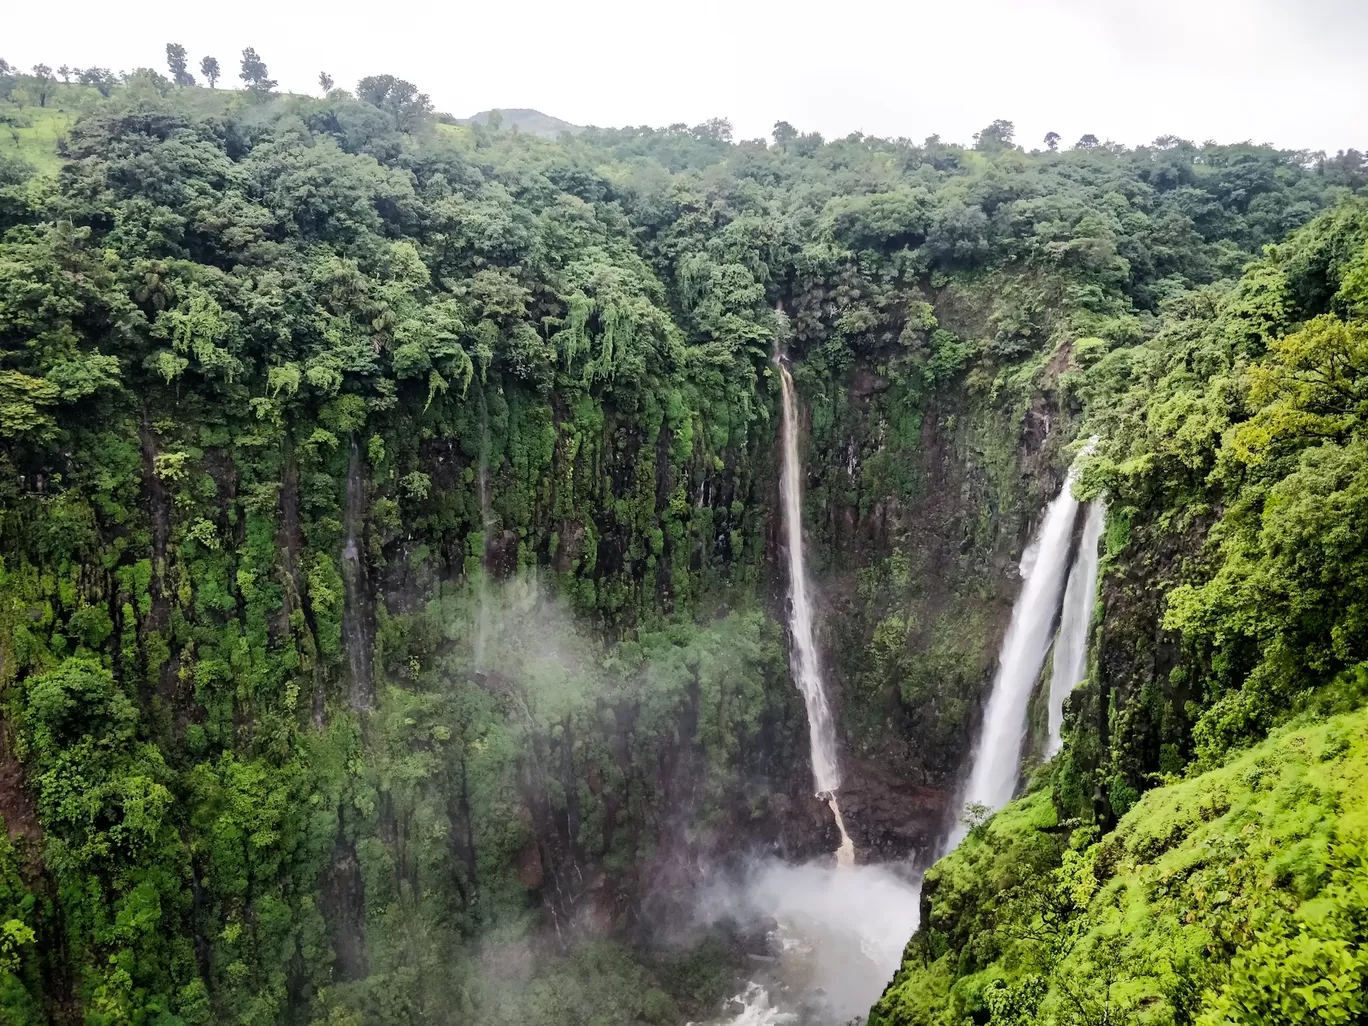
(1237, 896)
(531, 122)
(1232, 459)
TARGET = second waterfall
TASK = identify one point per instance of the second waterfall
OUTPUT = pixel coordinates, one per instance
(996, 766)
(806, 667)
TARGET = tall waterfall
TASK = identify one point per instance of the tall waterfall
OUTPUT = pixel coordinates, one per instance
(806, 668)
(807, 671)
(997, 758)
(1071, 646)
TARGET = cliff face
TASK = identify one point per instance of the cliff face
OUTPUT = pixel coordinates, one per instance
(416, 715)
(921, 500)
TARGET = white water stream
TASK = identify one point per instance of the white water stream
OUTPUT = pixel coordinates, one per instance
(839, 930)
(997, 757)
(1071, 645)
(807, 671)
(482, 625)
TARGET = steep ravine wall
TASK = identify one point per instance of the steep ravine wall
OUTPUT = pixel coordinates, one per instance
(559, 784)
(922, 505)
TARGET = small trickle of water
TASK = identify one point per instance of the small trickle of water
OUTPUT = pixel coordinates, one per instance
(845, 854)
(482, 625)
(997, 758)
(354, 611)
(1071, 645)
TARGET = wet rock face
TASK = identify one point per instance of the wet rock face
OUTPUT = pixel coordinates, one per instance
(890, 818)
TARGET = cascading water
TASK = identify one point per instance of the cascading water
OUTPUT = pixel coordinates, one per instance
(1071, 645)
(807, 671)
(997, 758)
(836, 932)
(355, 609)
(835, 938)
(482, 625)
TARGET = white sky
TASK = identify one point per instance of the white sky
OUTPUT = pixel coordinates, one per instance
(1291, 72)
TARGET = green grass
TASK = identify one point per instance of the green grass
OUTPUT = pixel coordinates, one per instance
(34, 138)
(1216, 897)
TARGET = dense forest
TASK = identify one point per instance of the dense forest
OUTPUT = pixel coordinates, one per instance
(391, 608)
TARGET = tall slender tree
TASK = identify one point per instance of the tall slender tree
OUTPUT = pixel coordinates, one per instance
(209, 68)
(44, 76)
(66, 71)
(176, 61)
(254, 72)
(325, 82)
(1052, 141)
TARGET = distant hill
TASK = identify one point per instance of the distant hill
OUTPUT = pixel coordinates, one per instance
(532, 122)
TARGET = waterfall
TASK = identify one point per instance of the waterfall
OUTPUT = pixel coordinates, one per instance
(355, 608)
(803, 662)
(997, 758)
(1071, 646)
(836, 932)
(482, 625)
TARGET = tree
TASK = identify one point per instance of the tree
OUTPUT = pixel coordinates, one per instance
(101, 78)
(254, 72)
(325, 82)
(400, 98)
(66, 71)
(175, 60)
(209, 68)
(1087, 142)
(784, 133)
(44, 76)
(1052, 141)
(494, 120)
(997, 136)
(714, 130)
(5, 68)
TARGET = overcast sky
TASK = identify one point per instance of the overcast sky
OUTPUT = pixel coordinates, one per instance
(1291, 72)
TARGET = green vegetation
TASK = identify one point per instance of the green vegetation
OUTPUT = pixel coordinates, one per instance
(1233, 456)
(30, 134)
(1238, 896)
(533, 122)
(387, 604)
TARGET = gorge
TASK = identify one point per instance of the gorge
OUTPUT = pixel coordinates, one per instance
(454, 576)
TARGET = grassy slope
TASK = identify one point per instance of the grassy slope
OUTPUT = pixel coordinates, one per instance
(31, 133)
(36, 142)
(1252, 857)
(529, 122)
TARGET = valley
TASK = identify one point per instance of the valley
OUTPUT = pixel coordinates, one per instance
(455, 575)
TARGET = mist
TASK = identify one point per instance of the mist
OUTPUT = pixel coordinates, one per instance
(831, 935)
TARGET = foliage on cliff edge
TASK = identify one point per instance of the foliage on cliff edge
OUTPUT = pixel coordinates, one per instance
(1235, 582)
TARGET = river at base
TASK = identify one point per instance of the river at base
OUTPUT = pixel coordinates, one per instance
(835, 938)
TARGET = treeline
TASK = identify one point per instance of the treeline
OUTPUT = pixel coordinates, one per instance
(383, 91)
